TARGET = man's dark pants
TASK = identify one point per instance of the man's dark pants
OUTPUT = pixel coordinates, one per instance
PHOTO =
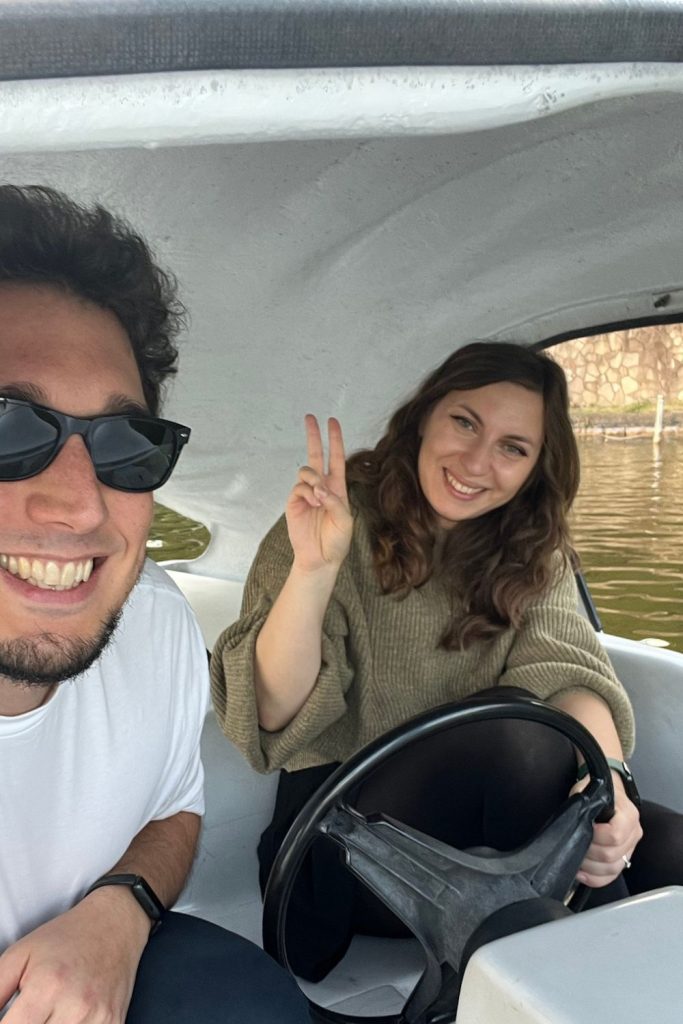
(193, 972)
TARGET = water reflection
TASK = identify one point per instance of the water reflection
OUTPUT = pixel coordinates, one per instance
(628, 528)
(173, 537)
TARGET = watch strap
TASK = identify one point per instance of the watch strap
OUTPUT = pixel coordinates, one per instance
(141, 890)
(622, 769)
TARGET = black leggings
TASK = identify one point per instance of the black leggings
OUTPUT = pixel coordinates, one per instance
(490, 784)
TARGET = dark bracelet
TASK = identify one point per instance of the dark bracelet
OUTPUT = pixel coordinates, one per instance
(621, 768)
(142, 891)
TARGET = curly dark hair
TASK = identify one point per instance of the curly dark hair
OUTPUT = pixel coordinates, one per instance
(496, 564)
(47, 238)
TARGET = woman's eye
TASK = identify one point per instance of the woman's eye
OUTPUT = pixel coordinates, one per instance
(463, 422)
(513, 449)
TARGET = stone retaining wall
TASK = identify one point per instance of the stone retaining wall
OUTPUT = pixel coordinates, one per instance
(624, 369)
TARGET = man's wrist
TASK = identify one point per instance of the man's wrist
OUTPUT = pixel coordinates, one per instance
(141, 892)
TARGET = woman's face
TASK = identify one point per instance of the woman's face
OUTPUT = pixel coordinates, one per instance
(478, 449)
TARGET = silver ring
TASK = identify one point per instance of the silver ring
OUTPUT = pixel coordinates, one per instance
(626, 861)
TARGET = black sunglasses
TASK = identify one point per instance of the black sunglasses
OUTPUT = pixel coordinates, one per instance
(130, 451)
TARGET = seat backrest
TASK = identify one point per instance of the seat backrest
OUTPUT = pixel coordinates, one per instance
(653, 678)
(223, 886)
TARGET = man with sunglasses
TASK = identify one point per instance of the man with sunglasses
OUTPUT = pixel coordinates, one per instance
(103, 685)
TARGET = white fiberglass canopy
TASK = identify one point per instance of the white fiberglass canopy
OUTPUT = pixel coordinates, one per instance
(336, 231)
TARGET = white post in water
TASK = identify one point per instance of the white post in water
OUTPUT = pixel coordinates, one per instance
(659, 420)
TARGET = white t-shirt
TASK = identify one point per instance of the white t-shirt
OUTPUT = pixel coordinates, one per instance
(111, 751)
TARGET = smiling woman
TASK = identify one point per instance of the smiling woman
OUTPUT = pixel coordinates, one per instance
(444, 570)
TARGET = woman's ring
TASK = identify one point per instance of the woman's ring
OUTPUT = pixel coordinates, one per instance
(626, 861)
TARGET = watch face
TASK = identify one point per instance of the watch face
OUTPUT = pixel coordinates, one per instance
(141, 890)
(148, 899)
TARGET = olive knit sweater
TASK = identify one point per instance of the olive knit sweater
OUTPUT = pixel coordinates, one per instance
(382, 663)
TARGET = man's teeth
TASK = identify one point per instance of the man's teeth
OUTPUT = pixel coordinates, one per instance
(462, 488)
(48, 575)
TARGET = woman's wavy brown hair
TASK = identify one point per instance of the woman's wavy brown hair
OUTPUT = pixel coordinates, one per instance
(496, 564)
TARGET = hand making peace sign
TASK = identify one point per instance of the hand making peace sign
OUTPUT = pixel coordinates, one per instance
(319, 519)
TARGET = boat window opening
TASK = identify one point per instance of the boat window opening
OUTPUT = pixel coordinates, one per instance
(626, 400)
(175, 537)
(616, 378)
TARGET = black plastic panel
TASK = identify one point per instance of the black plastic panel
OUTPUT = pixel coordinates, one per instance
(60, 38)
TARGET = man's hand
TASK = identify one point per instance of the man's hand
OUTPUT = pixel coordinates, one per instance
(80, 967)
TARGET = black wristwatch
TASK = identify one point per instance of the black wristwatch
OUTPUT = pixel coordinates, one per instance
(621, 768)
(143, 892)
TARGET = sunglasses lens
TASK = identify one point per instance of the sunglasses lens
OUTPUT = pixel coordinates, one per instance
(133, 454)
(28, 440)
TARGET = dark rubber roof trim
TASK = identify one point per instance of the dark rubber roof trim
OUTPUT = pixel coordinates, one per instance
(96, 37)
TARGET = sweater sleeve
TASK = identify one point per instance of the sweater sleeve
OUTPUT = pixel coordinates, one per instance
(232, 666)
(556, 650)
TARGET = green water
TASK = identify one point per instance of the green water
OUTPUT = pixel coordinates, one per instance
(628, 528)
(173, 536)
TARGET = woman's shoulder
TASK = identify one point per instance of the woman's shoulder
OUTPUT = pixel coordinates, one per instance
(359, 498)
(561, 586)
(562, 569)
(362, 520)
(277, 534)
(275, 548)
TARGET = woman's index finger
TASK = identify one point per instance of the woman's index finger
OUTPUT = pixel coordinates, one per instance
(337, 457)
(314, 444)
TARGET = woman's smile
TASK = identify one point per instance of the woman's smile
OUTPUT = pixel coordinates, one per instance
(461, 490)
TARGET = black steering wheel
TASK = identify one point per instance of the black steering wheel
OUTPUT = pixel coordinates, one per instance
(442, 894)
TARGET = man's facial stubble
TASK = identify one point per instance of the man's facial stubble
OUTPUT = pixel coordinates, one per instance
(48, 658)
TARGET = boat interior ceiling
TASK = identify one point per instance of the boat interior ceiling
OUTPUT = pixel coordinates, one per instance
(337, 230)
